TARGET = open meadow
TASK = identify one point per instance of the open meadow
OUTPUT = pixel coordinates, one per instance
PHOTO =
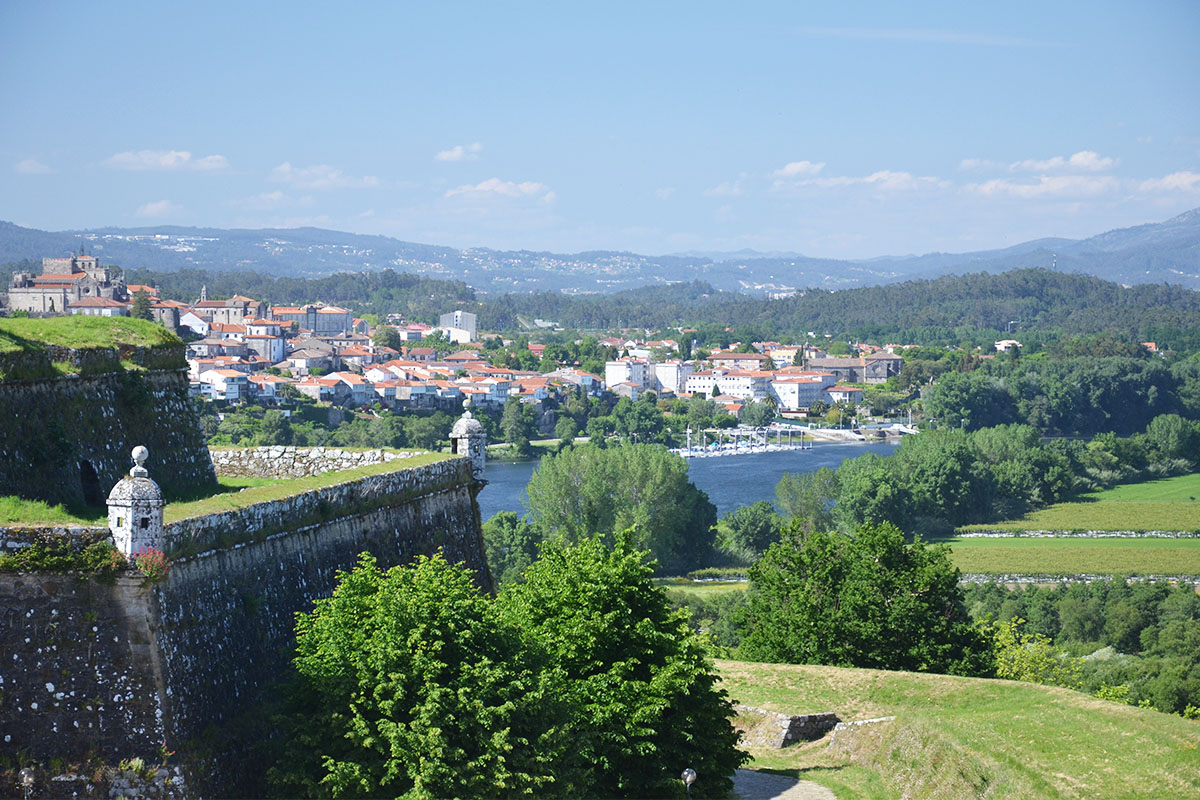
(1169, 504)
(969, 737)
(1076, 556)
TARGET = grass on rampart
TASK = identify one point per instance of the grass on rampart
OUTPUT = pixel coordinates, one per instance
(229, 494)
(265, 490)
(25, 334)
(970, 738)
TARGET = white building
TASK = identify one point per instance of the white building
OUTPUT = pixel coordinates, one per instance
(633, 371)
(461, 322)
(672, 376)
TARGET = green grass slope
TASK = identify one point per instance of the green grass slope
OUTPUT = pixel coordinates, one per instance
(1076, 556)
(970, 738)
(23, 334)
(1169, 504)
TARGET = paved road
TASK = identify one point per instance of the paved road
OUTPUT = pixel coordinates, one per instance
(751, 785)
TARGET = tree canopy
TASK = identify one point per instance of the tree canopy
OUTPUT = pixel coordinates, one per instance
(864, 600)
(590, 490)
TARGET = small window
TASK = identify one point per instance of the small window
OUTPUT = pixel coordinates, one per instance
(120, 522)
(145, 522)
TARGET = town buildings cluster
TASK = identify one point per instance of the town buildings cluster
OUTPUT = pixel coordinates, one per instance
(242, 349)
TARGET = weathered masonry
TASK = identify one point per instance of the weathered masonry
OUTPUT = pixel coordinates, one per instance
(115, 669)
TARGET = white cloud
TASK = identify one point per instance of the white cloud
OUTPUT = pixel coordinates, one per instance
(319, 176)
(1047, 186)
(725, 189)
(494, 187)
(460, 152)
(796, 168)
(160, 208)
(1083, 161)
(664, 193)
(1145, 140)
(1175, 182)
(31, 166)
(165, 160)
(888, 180)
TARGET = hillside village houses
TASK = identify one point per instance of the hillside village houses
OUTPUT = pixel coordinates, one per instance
(241, 349)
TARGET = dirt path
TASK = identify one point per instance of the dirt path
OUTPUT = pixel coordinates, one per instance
(751, 785)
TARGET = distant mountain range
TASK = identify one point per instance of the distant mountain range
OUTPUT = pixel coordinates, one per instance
(1164, 252)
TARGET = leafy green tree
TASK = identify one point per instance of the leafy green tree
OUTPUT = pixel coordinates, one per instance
(516, 423)
(275, 429)
(587, 490)
(141, 305)
(746, 532)
(758, 414)
(1032, 657)
(866, 600)
(808, 496)
(409, 682)
(387, 336)
(646, 698)
(1174, 437)
(511, 545)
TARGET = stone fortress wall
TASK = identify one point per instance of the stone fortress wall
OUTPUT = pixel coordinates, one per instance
(67, 439)
(115, 669)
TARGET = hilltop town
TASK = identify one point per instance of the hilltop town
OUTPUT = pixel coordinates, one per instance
(246, 350)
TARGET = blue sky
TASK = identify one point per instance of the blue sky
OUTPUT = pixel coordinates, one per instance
(653, 127)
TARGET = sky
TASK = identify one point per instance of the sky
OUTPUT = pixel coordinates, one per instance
(879, 129)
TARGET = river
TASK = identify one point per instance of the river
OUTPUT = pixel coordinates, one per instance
(730, 481)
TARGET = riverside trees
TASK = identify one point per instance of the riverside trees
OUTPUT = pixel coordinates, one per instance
(591, 490)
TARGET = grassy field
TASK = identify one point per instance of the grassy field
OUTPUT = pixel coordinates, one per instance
(701, 588)
(1170, 504)
(970, 738)
(229, 494)
(32, 334)
(1070, 556)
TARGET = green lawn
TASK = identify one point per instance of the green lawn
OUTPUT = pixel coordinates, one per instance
(230, 493)
(701, 588)
(1071, 556)
(1180, 489)
(970, 738)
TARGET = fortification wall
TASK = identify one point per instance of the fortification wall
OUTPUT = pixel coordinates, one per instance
(295, 462)
(68, 440)
(193, 660)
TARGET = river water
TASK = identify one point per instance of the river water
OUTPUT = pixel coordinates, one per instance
(730, 481)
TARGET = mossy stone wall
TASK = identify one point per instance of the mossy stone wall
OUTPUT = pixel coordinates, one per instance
(68, 440)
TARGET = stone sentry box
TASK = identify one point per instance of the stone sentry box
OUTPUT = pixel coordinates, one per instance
(135, 509)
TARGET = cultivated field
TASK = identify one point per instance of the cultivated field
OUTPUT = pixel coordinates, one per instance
(1076, 556)
(1170, 504)
(970, 738)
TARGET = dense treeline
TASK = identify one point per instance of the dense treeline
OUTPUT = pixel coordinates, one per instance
(1137, 642)
(918, 312)
(945, 478)
(418, 298)
(967, 309)
(1074, 396)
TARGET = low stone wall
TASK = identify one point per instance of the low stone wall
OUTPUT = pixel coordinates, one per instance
(762, 728)
(1085, 534)
(18, 537)
(296, 462)
(1014, 578)
(356, 496)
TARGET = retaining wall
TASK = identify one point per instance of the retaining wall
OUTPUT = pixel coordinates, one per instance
(68, 440)
(296, 462)
(194, 660)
